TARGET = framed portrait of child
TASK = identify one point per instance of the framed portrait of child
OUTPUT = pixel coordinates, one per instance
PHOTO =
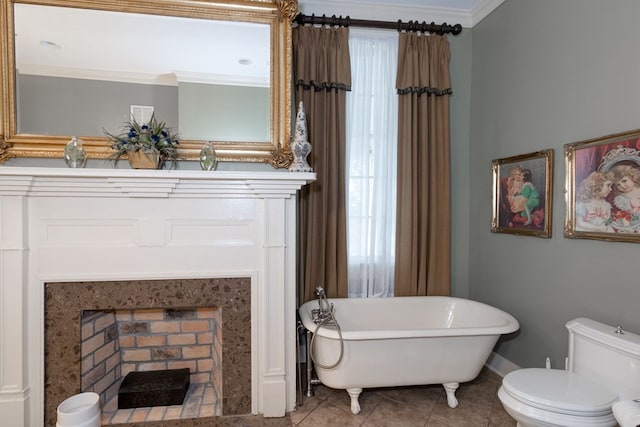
(603, 188)
(522, 194)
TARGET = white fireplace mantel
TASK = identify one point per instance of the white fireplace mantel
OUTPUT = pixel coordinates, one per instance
(104, 224)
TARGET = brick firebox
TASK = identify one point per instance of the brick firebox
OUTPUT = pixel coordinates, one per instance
(117, 342)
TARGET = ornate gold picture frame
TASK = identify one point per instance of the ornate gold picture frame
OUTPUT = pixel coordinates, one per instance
(275, 15)
(602, 188)
(522, 194)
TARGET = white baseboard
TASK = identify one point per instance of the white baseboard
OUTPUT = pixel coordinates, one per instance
(500, 365)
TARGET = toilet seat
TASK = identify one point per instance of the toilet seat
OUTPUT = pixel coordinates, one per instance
(557, 391)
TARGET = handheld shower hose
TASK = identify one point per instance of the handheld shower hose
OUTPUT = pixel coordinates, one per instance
(325, 317)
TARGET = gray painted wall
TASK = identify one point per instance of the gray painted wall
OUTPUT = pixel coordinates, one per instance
(224, 113)
(460, 110)
(546, 73)
(65, 106)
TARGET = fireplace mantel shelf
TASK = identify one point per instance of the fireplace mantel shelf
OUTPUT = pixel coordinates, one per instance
(149, 183)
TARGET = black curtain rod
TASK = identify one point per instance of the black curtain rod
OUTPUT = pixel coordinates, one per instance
(335, 21)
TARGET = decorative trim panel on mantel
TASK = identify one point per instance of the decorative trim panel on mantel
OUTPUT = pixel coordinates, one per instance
(80, 225)
(149, 183)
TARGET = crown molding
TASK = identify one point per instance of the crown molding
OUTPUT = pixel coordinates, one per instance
(392, 11)
(385, 11)
(113, 76)
(169, 79)
(220, 79)
(483, 10)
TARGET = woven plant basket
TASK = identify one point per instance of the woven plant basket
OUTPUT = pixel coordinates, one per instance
(141, 160)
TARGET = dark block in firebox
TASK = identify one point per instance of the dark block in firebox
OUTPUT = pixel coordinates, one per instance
(153, 388)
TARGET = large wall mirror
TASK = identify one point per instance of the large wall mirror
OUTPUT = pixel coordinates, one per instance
(212, 70)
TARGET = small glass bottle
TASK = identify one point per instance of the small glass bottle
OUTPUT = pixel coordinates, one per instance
(74, 154)
(208, 157)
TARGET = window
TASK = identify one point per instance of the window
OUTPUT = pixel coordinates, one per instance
(372, 115)
(141, 113)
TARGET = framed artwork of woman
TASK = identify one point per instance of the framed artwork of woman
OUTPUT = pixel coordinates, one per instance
(603, 188)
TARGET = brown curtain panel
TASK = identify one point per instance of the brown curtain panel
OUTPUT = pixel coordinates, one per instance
(423, 231)
(322, 75)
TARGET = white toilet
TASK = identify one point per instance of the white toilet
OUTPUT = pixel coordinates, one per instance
(604, 367)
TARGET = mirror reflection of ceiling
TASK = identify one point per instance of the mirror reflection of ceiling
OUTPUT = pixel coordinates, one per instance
(90, 44)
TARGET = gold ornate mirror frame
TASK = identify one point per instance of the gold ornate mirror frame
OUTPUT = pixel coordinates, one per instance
(278, 14)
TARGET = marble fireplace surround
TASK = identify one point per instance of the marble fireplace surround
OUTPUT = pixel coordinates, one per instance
(135, 226)
(64, 302)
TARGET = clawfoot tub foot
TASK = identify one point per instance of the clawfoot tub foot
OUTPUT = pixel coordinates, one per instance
(354, 393)
(451, 388)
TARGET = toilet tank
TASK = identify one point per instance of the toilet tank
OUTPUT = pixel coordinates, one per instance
(611, 359)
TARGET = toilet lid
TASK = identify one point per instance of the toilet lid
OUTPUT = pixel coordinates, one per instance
(559, 391)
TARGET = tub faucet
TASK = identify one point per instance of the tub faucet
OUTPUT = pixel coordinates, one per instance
(324, 312)
(322, 298)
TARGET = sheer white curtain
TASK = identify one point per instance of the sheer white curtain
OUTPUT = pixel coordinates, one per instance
(372, 116)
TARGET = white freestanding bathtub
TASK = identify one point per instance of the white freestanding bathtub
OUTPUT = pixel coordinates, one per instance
(403, 341)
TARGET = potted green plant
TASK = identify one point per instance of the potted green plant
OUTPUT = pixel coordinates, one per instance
(148, 146)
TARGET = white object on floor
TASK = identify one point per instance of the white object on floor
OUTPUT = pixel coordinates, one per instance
(627, 413)
(80, 410)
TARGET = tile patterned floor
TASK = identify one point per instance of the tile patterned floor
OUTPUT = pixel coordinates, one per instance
(420, 406)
